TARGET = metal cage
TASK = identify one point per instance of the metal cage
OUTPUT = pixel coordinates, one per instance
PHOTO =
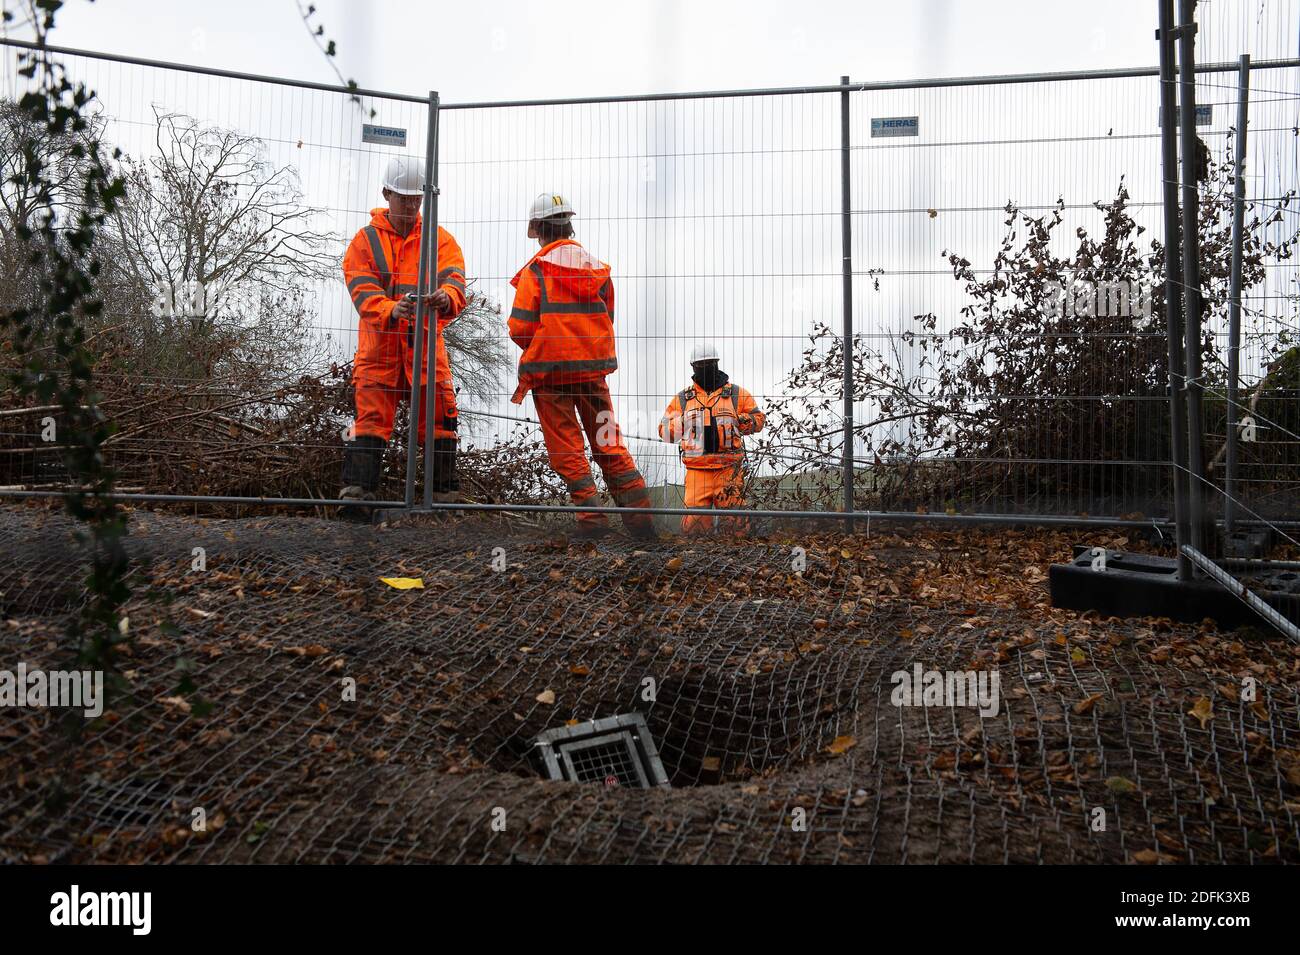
(614, 751)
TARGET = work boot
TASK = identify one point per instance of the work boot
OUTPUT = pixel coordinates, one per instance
(642, 531)
(357, 513)
(591, 530)
(362, 461)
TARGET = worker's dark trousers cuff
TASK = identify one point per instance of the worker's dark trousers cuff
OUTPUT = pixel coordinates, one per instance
(444, 477)
(362, 461)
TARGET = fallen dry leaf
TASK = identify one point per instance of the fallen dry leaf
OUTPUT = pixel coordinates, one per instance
(1203, 710)
(1085, 706)
(404, 583)
(546, 696)
(841, 745)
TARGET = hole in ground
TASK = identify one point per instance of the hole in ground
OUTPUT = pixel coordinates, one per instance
(708, 729)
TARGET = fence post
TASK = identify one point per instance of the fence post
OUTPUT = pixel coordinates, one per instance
(430, 237)
(1173, 283)
(417, 359)
(1234, 293)
(846, 244)
(1191, 271)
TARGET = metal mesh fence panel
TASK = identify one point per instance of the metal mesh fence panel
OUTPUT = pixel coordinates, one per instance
(1267, 394)
(717, 217)
(999, 383)
(1250, 433)
(227, 335)
(995, 370)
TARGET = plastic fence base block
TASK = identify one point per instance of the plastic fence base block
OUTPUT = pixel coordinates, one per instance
(614, 751)
(1253, 544)
(1140, 585)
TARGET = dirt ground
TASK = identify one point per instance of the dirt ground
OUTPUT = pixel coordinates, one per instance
(771, 702)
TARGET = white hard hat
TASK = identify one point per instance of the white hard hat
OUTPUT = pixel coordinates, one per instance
(706, 352)
(549, 205)
(404, 176)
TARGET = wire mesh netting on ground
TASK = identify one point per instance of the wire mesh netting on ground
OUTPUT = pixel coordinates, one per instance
(771, 702)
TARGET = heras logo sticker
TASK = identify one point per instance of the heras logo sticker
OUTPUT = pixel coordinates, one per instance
(895, 126)
(384, 135)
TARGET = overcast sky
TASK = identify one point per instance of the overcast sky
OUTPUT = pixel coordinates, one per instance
(497, 50)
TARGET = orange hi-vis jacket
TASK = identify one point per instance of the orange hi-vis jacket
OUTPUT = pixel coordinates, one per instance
(380, 267)
(563, 318)
(708, 425)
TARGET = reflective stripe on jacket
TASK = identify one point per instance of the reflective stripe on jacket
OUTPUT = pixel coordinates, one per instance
(380, 267)
(563, 318)
(708, 426)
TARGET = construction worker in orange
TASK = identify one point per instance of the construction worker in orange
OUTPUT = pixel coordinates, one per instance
(563, 319)
(381, 268)
(708, 422)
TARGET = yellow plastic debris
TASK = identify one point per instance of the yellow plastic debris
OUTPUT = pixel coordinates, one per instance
(404, 583)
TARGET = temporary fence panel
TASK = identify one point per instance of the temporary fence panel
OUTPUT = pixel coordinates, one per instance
(228, 328)
(995, 371)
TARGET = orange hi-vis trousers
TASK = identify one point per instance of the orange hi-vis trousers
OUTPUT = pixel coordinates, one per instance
(722, 487)
(565, 412)
(377, 401)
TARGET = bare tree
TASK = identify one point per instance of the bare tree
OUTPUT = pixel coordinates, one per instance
(65, 164)
(227, 245)
(62, 158)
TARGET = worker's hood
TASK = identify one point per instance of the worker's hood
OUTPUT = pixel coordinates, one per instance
(570, 268)
(379, 219)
